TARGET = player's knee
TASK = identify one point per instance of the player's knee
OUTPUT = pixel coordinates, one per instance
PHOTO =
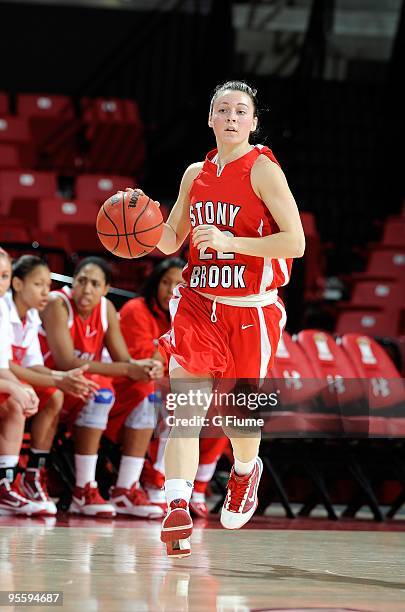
(143, 416)
(10, 413)
(95, 412)
(55, 402)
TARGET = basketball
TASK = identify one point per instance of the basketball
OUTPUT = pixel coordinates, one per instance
(129, 224)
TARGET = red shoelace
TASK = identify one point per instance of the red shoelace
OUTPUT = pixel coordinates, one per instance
(92, 495)
(138, 496)
(237, 489)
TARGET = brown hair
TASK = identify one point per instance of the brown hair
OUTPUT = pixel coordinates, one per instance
(236, 86)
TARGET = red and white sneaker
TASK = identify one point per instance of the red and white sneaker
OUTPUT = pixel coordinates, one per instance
(157, 497)
(88, 501)
(198, 506)
(134, 502)
(152, 483)
(33, 486)
(12, 503)
(177, 527)
(241, 498)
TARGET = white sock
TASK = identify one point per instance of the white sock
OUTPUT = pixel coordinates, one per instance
(37, 451)
(85, 469)
(178, 488)
(8, 461)
(130, 471)
(242, 469)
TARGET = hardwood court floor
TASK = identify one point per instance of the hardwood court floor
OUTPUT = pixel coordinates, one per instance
(103, 566)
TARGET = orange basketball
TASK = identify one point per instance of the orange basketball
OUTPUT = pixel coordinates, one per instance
(129, 225)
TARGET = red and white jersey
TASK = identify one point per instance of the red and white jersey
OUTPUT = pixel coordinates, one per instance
(26, 350)
(226, 199)
(5, 344)
(87, 334)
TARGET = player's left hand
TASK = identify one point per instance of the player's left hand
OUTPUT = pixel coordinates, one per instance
(209, 236)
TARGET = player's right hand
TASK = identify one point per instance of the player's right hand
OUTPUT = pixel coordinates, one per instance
(31, 403)
(145, 369)
(131, 191)
(75, 383)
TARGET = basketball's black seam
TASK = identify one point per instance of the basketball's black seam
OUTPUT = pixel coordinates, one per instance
(139, 216)
(111, 221)
(144, 243)
(139, 232)
(125, 224)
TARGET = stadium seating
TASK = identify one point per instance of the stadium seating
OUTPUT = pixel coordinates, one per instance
(344, 394)
(387, 295)
(54, 212)
(114, 133)
(12, 231)
(9, 157)
(386, 264)
(370, 322)
(313, 259)
(394, 232)
(73, 222)
(99, 187)
(15, 131)
(382, 382)
(50, 119)
(21, 190)
(294, 380)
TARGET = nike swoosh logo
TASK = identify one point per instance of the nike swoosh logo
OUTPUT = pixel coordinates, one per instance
(246, 326)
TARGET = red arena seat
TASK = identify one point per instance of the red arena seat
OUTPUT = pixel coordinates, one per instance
(313, 258)
(387, 264)
(20, 192)
(11, 231)
(389, 295)
(115, 134)
(9, 157)
(384, 387)
(344, 391)
(16, 131)
(297, 387)
(50, 119)
(292, 366)
(371, 322)
(394, 232)
(54, 212)
(99, 187)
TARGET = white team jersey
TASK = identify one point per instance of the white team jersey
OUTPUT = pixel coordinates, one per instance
(26, 349)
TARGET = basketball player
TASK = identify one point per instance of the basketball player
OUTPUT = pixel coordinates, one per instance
(16, 403)
(31, 282)
(226, 319)
(245, 230)
(77, 323)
